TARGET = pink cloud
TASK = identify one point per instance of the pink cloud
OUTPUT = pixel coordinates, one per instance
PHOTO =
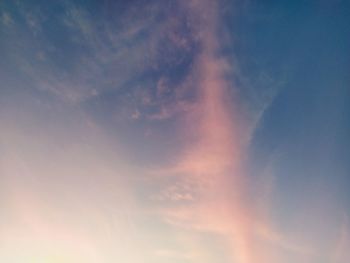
(211, 164)
(211, 168)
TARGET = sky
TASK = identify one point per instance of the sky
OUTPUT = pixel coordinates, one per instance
(173, 131)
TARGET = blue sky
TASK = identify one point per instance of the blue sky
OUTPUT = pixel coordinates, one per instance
(174, 131)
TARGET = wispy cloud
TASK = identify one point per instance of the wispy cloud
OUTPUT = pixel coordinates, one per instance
(211, 167)
(212, 192)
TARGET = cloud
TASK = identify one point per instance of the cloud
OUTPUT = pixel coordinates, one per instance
(93, 55)
(211, 166)
(6, 19)
(208, 190)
